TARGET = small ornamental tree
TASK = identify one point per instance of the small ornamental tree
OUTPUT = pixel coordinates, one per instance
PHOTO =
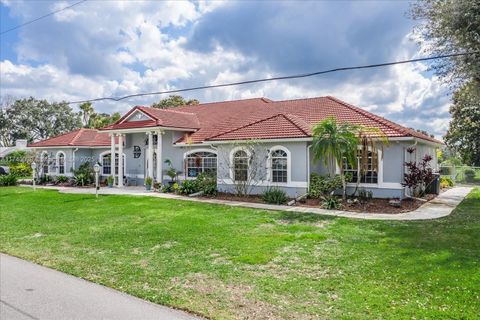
(419, 175)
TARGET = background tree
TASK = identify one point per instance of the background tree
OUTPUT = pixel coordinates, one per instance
(463, 134)
(334, 142)
(86, 109)
(93, 120)
(34, 119)
(174, 101)
(448, 26)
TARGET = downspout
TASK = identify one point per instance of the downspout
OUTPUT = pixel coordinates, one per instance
(308, 168)
(73, 158)
(414, 145)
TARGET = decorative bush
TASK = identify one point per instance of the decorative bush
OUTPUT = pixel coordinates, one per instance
(21, 169)
(189, 187)
(364, 195)
(322, 187)
(84, 174)
(446, 182)
(110, 180)
(331, 203)
(8, 180)
(419, 175)
(81, 179)
(469, 175)
(274, 196)
(62, 179)
(44, 179)
(148, 181)
(207, 183)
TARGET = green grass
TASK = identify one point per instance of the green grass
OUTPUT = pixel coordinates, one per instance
(225, 263)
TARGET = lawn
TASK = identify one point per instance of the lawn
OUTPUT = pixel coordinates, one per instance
(229, 263)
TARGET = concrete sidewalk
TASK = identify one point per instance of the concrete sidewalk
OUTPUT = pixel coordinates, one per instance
(29, 291)
(441, 206)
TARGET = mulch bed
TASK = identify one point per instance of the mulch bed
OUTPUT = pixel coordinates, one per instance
(376, 205)
(232, 197)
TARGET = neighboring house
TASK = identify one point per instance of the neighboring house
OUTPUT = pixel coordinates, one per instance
(20, 145)
(212, 137)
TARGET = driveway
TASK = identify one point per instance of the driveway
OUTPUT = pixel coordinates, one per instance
(29, 291)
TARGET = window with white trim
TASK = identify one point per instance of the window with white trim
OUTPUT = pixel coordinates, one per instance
(107, 164)
(240, 166)
(369, 176)
(61, 163)
(45, 163)
(279, 166)
(201, 162)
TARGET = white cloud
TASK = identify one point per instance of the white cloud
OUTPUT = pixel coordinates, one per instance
(115, 48)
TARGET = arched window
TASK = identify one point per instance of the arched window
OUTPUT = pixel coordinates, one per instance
(279, 168)
(60, 162)
(45, 162)
(201, 162)
(240, 166)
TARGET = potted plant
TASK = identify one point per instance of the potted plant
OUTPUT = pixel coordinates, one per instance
(110, 181)
(171, 172)
(148, 183)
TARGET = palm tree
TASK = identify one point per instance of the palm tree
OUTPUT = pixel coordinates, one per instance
(368, 138)
(334, 142)
(87, 111)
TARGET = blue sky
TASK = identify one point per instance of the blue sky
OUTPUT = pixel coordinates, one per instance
(114, 48)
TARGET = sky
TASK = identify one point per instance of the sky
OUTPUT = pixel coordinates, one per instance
(115, 48)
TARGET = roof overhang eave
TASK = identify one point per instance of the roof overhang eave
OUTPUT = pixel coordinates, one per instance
(146, 129)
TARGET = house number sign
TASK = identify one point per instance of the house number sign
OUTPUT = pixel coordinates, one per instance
(137, 152)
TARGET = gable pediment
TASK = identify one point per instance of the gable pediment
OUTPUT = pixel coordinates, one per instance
(137, 116)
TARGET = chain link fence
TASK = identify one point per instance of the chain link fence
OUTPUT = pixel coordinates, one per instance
(461, 174)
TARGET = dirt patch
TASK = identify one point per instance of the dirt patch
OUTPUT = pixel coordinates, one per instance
(236, 296)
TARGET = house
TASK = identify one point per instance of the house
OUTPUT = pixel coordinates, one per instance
(223, 137)
(20, 145)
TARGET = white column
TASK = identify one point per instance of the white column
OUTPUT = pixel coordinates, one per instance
(159, 157)
(150, 154)
(112, 157)
(120, 160)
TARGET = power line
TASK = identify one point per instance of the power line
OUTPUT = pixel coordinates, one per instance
(297, 76)
(41, 17)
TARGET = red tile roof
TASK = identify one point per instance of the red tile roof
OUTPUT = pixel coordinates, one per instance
(159, 118)
(258, 118)
(78, 138)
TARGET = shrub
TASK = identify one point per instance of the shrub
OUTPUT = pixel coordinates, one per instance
(331, 203)
(419, 175)
(175, 187)
(44, 179)
(364, 195)
(62, 179)
(446, 182)
(8, 180)
(110, 180)
(21, 169)
(189, 187)
(469, 175)
(322, 187)
(81, 179)
(84, 174)
(274, 196)
(148, 181)
(207, 183)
